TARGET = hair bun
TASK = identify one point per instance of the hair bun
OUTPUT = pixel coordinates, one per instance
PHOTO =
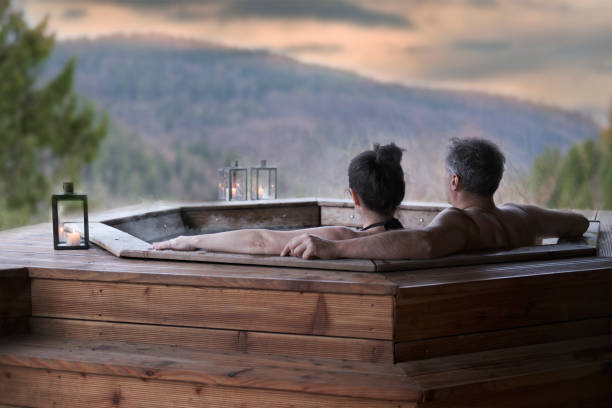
(388, 155)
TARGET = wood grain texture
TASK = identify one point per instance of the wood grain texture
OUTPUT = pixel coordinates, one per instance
(437, 279)
(357, 265)
(531, 253)
(471, 375)
(40, 387)
(32, 247)
(266, 215)
(216, 369)
(347, 216)
(247, 342)
(604, 245)
(453, 309)
(114, 240)
(498, 339)
(15, 301)
(256, 310)
(152, 227)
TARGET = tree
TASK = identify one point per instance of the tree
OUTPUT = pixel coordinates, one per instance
(582, 178)
(47, 132)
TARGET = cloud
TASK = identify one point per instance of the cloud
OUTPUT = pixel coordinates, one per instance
(313, 48)
(483, 3)
(481, 46)
(343, 11)
(74, 13)
(325, 10)
(417, 49)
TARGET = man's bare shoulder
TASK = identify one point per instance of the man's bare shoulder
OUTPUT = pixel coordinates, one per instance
(550, 223)
(452, 215)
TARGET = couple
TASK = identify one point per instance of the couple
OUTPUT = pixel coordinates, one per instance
(376, 181)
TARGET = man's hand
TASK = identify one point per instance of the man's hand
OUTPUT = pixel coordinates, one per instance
(178, 244)
(308, 246)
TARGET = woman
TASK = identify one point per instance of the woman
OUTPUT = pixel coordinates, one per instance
(376, 183)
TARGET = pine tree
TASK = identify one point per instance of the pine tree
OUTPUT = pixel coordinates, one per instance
(580, 179)
(46, 131)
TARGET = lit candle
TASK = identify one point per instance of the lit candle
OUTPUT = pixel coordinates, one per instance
(62, 233)
(260, 191)
(73, 238)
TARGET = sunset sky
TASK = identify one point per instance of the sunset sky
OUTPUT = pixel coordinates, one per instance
(555, 52)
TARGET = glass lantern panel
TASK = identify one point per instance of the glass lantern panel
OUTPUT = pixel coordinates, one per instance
(238, 184)
(70, 222)
(223, 185)
(266, 187)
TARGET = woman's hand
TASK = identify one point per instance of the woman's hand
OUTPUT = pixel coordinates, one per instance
(308, 246)
(181, 243)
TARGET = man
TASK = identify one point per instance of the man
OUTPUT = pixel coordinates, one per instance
(475, 168)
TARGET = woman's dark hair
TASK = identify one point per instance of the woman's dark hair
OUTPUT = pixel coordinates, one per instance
(378, 179)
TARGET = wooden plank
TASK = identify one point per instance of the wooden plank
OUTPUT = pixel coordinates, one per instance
(37, 254)
(114, 240)
(531, 253)
(585, 385)
(153, 227)
(240, 309)
(249, 342)
(41, 387)
(350, 218)
(501, 304)
(15, 301)
(259, 216)
(604, 245)
(163, 207)
(174, 364)
(218, 275)
(471, 276)
(346, 216)
(490, 340)
(441, 373)
(356, 265)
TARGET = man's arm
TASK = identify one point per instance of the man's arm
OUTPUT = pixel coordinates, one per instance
(446, 234)
(553, 223)
(250, 241)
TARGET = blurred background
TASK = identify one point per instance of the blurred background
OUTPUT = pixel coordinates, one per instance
(141, 100)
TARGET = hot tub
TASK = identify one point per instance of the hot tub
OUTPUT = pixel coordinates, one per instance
(130, 232)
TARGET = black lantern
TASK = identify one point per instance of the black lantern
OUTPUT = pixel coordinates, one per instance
(70, 222)
(233, 183)
(263, 182)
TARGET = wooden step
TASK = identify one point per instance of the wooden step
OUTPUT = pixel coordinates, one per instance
(459, 310)
(577, 370)
(38, 371)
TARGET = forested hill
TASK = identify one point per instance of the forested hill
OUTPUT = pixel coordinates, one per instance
(181, 109)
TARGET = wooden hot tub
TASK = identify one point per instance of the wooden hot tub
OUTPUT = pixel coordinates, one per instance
(87, 328)
(129, 234)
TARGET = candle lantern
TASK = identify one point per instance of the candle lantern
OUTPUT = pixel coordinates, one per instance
(233, 183)
(263, 182)
(70, 220)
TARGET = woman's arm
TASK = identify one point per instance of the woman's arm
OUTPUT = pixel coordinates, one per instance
(251, 241)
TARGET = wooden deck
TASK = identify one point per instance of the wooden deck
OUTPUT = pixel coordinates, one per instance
(85, 328)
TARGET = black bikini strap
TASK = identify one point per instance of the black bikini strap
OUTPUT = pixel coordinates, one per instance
(390, 224)
(378, 224)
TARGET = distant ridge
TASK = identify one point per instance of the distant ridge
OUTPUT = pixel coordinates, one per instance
(309, 120)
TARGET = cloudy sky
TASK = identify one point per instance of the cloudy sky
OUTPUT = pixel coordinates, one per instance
(551, 51)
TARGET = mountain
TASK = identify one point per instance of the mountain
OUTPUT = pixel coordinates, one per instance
(187, 107)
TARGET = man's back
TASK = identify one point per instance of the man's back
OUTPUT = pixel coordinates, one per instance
(508, 226)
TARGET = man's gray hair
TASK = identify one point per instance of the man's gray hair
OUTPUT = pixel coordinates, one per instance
(478, 162)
